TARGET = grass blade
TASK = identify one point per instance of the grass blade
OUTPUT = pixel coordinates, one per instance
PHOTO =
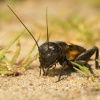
(5, 72)
(16, 54)
(96, 89)
(98, 60)
(84, 70)
(7, 62)
(30, 52)
(26, 65)
(9, 45)
(80, 71)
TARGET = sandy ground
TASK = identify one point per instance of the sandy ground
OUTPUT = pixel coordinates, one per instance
(29, 85)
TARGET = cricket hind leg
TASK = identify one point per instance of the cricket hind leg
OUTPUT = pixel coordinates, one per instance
(87, 55)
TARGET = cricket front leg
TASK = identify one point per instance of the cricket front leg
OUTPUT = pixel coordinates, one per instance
(63, 64)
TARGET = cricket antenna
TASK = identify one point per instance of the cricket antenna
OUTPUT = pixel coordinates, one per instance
(47, 26)
(24, 26)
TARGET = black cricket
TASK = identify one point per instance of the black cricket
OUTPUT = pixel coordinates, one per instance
(51, 53)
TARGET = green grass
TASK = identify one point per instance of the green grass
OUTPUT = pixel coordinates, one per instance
(96, 89)
(75, 24)
(2, 52)
(8, 67)
(86, 36)
(84, 71)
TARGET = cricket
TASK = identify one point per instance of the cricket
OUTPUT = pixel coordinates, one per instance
(51, 53)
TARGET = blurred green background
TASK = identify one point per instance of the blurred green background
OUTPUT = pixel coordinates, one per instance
(75, 21)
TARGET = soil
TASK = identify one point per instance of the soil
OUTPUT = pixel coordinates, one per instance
(29, 85)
